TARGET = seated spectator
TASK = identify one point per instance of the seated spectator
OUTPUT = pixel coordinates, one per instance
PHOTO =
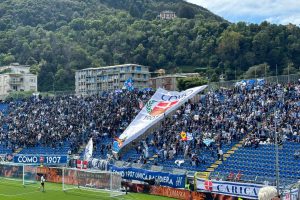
(238, 176)
(297, 154)
(230, 176)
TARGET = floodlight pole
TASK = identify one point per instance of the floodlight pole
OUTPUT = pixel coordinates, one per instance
(277, 159)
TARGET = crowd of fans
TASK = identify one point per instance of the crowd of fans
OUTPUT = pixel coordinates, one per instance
(225, 116)
(68, 119)
(216, 118)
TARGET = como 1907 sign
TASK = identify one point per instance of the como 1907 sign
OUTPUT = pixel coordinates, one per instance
(41, 159)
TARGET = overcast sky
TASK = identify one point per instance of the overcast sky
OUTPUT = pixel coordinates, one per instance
(255, 11)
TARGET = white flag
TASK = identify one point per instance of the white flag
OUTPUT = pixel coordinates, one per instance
(160, 105)
(88, 152)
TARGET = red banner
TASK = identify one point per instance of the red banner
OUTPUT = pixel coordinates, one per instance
(176, 193)
(82, 164)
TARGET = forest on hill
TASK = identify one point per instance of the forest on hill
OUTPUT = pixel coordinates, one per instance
(58, 37)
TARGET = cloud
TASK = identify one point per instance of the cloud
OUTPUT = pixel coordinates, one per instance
(275, 11)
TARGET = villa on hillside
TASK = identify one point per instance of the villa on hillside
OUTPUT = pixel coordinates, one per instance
(16, 77)
(167, 14)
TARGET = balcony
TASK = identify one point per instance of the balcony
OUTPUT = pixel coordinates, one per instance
(15, 82)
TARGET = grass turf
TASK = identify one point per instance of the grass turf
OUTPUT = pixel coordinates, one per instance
(13, 190)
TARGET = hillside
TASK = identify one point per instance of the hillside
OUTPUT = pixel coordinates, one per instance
(59, 36)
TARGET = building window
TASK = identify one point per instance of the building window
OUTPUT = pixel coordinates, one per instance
(138, 68)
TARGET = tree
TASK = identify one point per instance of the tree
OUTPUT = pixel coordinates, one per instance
(290, 69)
(189, 82)
(186, 11)
(58, 37)
(6, 59)
(229, 44)
(257, 71)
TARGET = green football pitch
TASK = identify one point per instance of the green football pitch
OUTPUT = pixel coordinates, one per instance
(14, 190)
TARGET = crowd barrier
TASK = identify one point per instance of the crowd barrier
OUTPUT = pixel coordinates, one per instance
(206, 189)
(52, 174)
(55, 175)
(176, 193)
(244, 190)
(164, 179)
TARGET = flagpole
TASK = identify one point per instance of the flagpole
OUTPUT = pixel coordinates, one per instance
(277, 156)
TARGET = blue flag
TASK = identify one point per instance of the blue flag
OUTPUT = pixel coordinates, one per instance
(261, 82)
(129, 84)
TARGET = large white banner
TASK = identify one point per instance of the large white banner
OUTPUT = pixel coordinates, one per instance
(244, 190)
(162, 103)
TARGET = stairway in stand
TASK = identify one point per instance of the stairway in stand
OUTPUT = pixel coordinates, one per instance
(18, 150)
(81, 150)
(205, 175)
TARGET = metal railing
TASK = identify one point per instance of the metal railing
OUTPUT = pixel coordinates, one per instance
(282, 79)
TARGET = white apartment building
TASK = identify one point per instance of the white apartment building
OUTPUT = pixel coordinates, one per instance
(16, 77)
(94, 80)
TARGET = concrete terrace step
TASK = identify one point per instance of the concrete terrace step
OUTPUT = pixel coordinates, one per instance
(214, 165)
(226, 155)
(210, 169)
(218, 162)
(18, 150)
(204, 175)
(81, 149)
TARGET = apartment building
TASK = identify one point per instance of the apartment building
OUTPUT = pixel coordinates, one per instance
(91, 81)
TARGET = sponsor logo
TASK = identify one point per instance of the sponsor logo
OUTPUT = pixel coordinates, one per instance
(228, 188)
(155, 108)
(9, 157)
(208, 185)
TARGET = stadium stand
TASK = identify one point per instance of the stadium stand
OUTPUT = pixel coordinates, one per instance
(229, 132)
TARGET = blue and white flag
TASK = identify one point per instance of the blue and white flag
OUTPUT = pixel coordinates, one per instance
(207, 142)
(189, 136)
(261, 82)
(88, 152)
(129, 84)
